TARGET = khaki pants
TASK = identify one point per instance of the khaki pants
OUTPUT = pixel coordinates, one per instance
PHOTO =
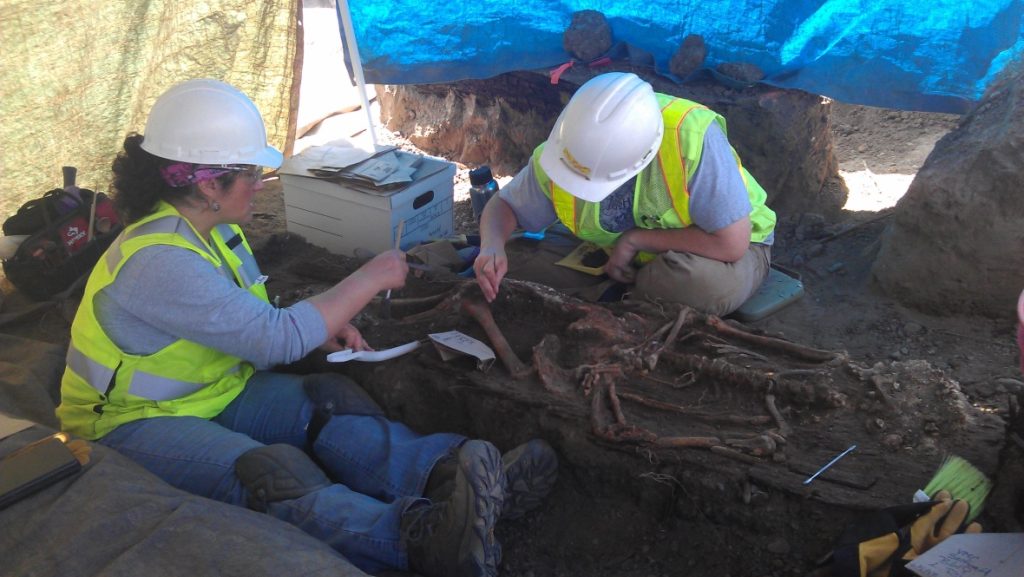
(705, 284)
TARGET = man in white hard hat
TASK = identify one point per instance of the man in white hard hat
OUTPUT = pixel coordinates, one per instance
(651, 178)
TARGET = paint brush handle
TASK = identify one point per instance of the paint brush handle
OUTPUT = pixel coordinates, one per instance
(829, 464)
(398, 245)
(398, 234)
(92, 217)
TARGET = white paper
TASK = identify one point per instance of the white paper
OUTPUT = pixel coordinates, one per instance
(10, 425)
(973, 555)
(453, 344)
(336, 154)
(385, 169)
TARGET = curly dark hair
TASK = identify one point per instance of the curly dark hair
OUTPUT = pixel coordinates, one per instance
(138, 186)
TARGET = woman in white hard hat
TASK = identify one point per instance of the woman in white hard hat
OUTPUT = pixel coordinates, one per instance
(171, 342)
(653, 179)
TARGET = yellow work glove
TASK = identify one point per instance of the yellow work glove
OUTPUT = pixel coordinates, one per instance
(80, 449)
(945, 518)
(881, 544)
(875, 556)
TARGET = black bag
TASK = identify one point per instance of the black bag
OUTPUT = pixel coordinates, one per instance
(62, 247)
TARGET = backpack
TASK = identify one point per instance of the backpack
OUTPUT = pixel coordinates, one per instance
(68, 230)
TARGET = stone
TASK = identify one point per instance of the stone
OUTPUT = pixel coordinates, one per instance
(588, 36)
(741, 71)
(1011, 385)
(892, 441)
(689, 56)
(779, 547)
(984, 390)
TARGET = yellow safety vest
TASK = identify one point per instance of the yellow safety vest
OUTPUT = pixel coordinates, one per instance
(661, 199)
(104, 387)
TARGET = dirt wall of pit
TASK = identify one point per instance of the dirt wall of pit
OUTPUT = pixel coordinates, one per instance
(956, 244)
(782, 136)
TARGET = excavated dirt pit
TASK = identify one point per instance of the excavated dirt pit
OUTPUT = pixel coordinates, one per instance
(684, 440)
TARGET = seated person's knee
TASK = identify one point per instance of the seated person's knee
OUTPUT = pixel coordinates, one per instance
(277, 473)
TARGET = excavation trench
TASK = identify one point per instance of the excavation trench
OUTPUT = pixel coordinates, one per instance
(684, 440)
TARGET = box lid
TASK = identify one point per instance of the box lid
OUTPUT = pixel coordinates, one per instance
(430, 173)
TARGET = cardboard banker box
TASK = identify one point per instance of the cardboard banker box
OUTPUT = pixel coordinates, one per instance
(342, 215)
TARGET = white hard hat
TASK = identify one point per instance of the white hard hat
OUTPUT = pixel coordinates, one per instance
(610, 130)
(206, 121)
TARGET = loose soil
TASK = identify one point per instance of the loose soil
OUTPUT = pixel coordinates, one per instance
(844, 365)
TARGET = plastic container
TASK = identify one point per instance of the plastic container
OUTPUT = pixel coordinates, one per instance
(778, 291)
(482, 187)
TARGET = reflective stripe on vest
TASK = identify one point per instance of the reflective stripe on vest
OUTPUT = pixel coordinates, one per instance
(679, 155)
(228, 238)
(99, 377)
(169, 224)
(157, 388)
(142, 384)
(240, 258)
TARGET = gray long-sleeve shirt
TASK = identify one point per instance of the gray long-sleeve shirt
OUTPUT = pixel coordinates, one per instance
(718, 195)
(165, 293)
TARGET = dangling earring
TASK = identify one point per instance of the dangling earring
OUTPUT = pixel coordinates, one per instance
(215, 206)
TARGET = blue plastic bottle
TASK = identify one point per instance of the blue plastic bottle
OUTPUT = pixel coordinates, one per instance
(482, 187)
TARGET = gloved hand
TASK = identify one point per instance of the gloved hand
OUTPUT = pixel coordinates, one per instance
(81, 449)
(881, 544)
(946, 517)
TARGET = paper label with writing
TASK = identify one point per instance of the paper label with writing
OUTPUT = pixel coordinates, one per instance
(973, 555)
(453, 344)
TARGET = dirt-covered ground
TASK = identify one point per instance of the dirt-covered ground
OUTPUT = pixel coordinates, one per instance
(907, 388)
(693, 463)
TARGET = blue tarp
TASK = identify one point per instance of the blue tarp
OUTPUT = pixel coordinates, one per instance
(927, 55)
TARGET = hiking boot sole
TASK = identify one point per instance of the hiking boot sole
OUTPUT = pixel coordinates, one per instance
(480, 464)
(531, 470)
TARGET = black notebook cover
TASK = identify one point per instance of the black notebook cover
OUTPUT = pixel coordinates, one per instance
(34, 467)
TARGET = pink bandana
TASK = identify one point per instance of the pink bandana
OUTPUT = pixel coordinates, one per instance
(182, 174)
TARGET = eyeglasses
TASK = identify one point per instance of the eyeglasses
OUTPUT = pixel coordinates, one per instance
(253, 173)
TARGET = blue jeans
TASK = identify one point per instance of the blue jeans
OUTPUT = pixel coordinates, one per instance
(379, 467)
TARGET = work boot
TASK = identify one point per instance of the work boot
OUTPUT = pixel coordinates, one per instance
(441, 482)
(454, 537)
(530, 472)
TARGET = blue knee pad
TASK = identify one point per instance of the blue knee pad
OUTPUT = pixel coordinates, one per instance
(334, 394)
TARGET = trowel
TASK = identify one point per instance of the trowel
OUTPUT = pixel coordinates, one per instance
(372, 356)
